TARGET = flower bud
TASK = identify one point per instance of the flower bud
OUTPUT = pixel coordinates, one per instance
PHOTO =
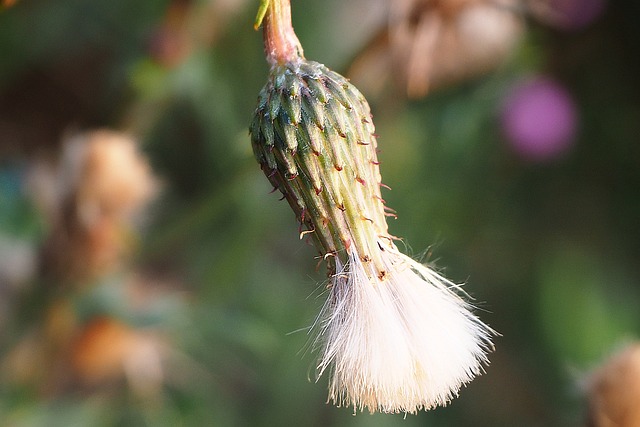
(313, 136)
(394, 335)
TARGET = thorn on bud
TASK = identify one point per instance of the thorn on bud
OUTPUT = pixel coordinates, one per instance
(305, 232)
(361, 180)
(329, 255)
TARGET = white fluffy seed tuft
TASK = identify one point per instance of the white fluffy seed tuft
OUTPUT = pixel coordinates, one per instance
(406, 343)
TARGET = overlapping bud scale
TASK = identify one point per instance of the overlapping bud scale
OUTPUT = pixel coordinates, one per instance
(314, 138)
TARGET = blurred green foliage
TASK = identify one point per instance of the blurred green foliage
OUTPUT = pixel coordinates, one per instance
(550, 251)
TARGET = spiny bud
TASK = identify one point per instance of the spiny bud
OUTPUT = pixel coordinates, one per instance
(320, 152)
(394, 335)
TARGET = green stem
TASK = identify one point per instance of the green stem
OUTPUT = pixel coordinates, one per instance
(281, 45)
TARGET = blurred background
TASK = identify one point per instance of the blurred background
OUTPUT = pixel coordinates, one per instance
(149, 278)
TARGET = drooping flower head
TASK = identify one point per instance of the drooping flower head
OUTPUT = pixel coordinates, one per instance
(394, 336)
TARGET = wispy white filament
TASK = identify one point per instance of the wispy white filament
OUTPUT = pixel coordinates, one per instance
(402, 344)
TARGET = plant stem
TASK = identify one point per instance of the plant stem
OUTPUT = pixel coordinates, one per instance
(281, 45)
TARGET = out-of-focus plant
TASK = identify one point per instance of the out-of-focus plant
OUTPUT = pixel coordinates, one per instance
(91, 199)
(613, 390)
(429, 44)
(100, 182)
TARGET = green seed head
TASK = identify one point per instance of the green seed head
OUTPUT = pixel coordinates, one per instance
(394, 335)
(313, 136)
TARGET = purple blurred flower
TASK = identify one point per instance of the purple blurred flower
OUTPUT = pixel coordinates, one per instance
(573, 14)
(539, 119)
